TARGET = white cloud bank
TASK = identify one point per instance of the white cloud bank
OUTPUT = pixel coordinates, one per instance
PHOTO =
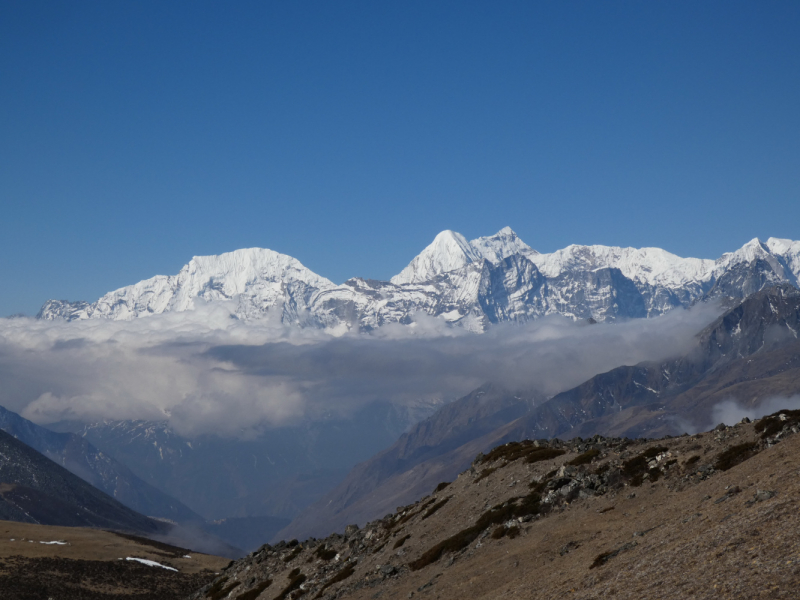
(206, 372)
(731, 412)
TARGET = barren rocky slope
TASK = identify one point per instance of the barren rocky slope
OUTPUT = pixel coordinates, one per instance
(693, 516)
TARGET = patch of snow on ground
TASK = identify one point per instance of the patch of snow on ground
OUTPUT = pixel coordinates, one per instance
(150, 563)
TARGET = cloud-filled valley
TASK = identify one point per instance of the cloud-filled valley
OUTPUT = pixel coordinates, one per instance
(206, 372)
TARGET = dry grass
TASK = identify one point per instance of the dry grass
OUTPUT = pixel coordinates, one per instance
(324, 552)
(514, 451)
(735, 455)
(432, 510)
(219, 590)
(340, 576)
(585, 458)
(517, 507)
(293, 554)
(399, 543)
(256, 591)
(484, 474)
(295, 581)
(543, 454)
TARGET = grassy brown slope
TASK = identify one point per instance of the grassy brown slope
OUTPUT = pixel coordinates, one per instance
(673, 528)
(668, 544)
(88, 565)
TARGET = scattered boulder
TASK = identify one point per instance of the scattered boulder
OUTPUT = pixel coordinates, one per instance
(350, 531)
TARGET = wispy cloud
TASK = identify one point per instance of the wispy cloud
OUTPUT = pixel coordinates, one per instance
(731, 412)
(207, 372)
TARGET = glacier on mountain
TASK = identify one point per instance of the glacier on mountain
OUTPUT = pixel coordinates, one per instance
(470, 284)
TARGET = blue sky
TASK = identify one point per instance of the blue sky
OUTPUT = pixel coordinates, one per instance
(347, 134)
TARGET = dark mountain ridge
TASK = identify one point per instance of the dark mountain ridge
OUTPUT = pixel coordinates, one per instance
(763, 326)
(78, 456)
(34, 489)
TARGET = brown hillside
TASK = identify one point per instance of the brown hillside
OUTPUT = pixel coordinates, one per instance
(711, 515)
(91, 564)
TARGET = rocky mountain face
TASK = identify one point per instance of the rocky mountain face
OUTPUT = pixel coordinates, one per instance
(34, 489)
(681, 517)
(81, 458)
(471, 284)
(752, 353)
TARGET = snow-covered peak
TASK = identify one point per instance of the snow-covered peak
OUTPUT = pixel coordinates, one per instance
(653, 266)
(782, 255)
(234, 271)
(755, 249)
(448, 251)
(250, 271)
(784, 247)
(752, 250)
(502, 244)
(789, 251)
(480, 286)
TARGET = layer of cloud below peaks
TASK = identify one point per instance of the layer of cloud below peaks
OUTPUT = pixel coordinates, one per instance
(206, 372)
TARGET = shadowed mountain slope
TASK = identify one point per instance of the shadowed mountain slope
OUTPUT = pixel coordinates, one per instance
(78, 456)
(34, 489)
(441, 443)
(755, 341)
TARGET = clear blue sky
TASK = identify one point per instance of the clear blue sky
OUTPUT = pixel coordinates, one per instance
(134, 135)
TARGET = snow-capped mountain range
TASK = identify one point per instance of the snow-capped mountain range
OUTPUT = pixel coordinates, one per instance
(472, 284)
